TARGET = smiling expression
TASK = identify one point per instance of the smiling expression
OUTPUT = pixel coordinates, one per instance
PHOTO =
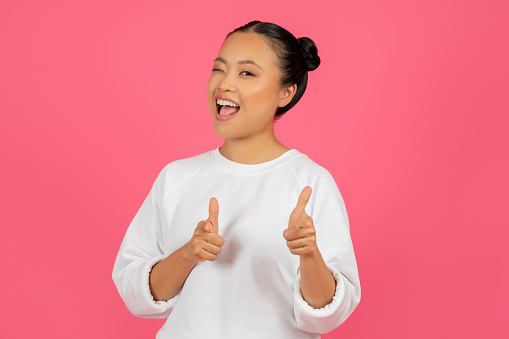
(246, 72)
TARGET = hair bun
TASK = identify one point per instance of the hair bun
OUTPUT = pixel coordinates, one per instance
(310, 53)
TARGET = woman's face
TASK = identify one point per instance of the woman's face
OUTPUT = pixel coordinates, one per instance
(246, 72)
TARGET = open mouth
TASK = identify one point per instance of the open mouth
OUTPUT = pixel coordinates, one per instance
(225, 107)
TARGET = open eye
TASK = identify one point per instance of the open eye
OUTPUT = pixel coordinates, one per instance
(248, 73)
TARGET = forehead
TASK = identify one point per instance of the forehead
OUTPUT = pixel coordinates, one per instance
(242, 45)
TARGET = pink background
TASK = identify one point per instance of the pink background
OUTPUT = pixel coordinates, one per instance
(408, 111)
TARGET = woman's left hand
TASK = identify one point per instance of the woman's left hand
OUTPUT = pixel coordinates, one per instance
(300, 235)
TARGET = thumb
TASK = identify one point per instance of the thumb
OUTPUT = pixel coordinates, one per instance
(214, 214)
(206, 226)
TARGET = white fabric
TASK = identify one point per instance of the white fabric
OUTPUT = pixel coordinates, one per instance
(252, 290)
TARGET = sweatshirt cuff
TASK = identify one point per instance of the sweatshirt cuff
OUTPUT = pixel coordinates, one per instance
(319, 320)
(154, 308)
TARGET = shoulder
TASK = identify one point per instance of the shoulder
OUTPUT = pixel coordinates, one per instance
(308, 171)
(178, 170)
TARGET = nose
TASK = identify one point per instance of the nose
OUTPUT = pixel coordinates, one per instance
(227, 83)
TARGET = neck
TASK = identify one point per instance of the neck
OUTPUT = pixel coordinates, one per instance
(252, 152)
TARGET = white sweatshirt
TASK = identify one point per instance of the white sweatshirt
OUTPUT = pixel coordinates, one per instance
(252, 289)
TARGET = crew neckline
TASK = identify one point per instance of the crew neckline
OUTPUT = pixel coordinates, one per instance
(236, 167)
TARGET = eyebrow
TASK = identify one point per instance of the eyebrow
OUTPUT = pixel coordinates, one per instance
(241, 61)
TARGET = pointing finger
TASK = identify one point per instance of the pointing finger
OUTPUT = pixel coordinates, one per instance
(304, 197)
(305, 194)
(214, 214)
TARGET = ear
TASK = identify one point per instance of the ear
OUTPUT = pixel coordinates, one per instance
(286, 95)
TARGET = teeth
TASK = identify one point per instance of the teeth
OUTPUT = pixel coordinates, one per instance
(228, 103)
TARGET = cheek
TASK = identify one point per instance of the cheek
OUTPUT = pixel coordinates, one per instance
(210, 85)
(260, 92)
(262, 97)
(210, 90)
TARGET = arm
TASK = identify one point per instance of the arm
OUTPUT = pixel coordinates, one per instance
(168, 275)
(165, 285)
(147, 279)
(141, 249)
(317, 282)
(316, 308)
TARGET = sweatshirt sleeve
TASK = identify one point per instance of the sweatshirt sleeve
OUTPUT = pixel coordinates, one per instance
(334, 242)
(140, 250)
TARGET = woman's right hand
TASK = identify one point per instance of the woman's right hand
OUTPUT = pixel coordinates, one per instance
(206, 242)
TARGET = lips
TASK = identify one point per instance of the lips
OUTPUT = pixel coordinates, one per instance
(224, 98)
(226, 117)
(218, 107)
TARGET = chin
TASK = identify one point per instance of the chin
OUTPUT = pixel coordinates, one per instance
(225, 133)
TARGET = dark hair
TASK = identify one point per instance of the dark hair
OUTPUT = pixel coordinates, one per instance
(296, 56)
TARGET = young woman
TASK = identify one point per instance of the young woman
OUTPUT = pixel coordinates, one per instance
(251, 239)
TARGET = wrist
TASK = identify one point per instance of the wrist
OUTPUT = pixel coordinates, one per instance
(187, 256)
(313, 255)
